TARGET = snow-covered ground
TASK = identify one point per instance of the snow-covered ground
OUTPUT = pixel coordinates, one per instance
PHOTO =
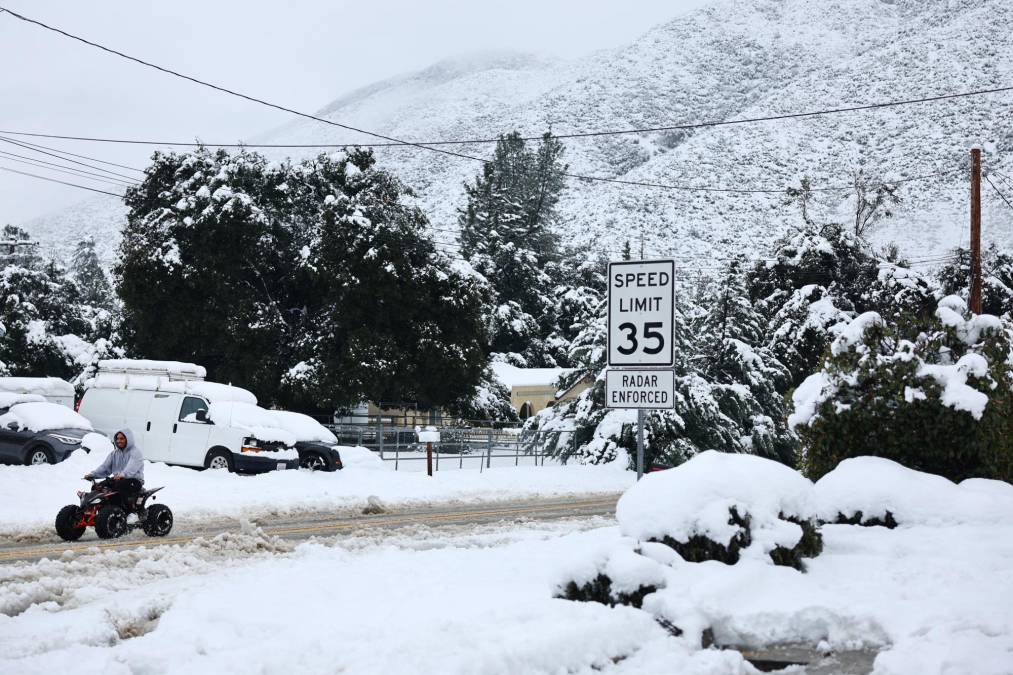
(33, 494)
(931, 599)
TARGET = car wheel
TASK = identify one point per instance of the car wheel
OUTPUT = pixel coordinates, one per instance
(313, 461)
(110, 522)
(67, 523)
(158, 520)
(219, 459)
(39, 456)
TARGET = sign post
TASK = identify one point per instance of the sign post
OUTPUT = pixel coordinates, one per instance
(641, 309)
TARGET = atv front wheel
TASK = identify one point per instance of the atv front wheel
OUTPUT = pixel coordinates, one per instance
(158, 520)
(110, 522)
(67, 523)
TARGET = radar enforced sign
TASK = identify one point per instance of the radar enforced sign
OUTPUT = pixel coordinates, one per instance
(645, 389)
(641, 301)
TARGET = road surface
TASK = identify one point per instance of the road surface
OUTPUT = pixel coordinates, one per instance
(324, 524)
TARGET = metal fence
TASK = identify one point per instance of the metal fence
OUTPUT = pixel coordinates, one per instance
(459, 446)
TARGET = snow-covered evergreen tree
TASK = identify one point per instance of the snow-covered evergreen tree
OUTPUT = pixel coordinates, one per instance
(507, 235)
(935, 395)
(312, 283)
(996, 278)
(47, 329)
(91, 278)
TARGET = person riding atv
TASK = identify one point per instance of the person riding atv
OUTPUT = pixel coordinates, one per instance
(124, 467)
(118, 504)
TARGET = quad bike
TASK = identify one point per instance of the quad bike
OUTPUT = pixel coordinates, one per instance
(102, 508)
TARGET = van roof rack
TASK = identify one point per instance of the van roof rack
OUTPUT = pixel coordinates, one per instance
(173, 370)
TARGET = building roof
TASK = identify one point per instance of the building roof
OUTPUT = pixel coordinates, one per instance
(512, 376)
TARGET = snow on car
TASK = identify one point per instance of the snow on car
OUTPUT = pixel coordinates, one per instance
(34, 431)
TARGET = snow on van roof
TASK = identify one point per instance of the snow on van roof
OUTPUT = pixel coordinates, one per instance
(212, 391)
(172, 369)
(7, 399)
(43, 386)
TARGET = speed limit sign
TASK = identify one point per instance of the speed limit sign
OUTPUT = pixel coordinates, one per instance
(641, 302)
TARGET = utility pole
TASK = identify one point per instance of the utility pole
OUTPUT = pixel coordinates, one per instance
(976, 230)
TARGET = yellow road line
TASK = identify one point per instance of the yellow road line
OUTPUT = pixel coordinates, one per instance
(332, 526)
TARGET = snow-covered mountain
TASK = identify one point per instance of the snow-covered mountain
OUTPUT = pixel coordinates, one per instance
(731, 59)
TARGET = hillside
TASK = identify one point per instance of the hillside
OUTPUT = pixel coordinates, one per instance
(731, 59)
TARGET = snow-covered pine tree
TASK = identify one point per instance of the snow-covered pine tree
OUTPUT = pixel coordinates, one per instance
(47, 329)
(506, 234)
(996, 278)
(91, 278)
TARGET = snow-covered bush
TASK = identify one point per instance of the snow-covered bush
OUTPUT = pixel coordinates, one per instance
(729, 508)
(937, 399)
(720, 506)
(877, 491)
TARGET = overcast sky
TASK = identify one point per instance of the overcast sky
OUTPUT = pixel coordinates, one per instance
(302, 54)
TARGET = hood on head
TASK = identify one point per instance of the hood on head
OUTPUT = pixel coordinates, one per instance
(129, 436)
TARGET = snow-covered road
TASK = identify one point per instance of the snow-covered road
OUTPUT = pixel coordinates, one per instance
(309, 525)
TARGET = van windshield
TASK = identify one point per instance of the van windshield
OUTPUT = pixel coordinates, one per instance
(191, 406)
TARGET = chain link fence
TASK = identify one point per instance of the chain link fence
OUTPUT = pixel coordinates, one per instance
(477, 445)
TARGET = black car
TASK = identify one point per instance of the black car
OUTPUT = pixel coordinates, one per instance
(19, 445)
(319, 456)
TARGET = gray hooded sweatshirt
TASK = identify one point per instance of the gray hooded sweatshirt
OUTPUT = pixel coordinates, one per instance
(127, 461)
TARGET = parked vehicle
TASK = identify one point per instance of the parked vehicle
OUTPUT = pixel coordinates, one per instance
(51, 389)
(103, 508)
(179, 418)
(317, 446)
(35, 431)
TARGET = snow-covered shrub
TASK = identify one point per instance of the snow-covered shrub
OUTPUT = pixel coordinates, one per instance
(937, 399)
(877, 491)
(720, 506)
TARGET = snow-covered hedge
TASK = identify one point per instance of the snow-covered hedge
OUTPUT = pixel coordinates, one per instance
(934, 394)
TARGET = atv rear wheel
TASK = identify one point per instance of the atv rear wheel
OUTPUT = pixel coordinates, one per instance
(158, 520)
(67, 523)
(110, 522)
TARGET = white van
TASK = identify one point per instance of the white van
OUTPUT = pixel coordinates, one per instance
(52, 389)
(178, 418)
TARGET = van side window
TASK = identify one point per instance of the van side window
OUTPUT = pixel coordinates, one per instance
(188, 411)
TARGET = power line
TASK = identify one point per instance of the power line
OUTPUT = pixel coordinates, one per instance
(226, 90)
(60, 169)
(998, 191)
(65, 159)
(53, 180)
(73, 154)
(431, 145)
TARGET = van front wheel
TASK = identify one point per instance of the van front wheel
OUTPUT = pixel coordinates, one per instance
(219, 459)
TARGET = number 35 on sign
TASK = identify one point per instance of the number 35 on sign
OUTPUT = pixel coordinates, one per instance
(641, 302)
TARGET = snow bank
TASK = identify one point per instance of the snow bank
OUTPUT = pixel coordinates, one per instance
(358, 457)
(874, 487)
(259, 423)
(33, 494)
(43, 416)
(697, 497)
(303, 427)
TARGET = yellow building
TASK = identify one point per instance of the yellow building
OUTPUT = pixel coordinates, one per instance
(534, 389)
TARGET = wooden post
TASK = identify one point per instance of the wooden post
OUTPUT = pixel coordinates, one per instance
(429, 458)
(976, 230)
